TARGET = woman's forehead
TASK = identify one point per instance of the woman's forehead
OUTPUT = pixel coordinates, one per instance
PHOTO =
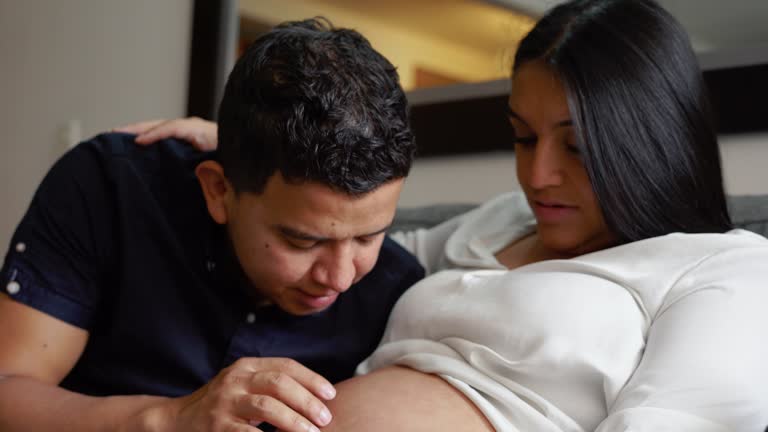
(537, 92)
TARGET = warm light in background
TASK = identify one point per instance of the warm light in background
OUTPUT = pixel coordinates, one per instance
(431, 42)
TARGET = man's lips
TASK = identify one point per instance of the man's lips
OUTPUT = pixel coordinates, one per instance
(317, 300)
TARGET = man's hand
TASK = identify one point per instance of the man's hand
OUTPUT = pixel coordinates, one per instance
(202, 134)
(281, 392)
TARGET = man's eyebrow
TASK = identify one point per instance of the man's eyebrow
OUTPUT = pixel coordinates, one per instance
(300, 235)
(377, 232)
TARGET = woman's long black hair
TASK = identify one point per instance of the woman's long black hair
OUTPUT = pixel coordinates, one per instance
(641, 114)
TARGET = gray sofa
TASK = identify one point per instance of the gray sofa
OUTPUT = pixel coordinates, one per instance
(749, 212)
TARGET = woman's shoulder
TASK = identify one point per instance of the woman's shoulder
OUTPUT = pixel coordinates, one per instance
(662, 268)
(736, 250)
(706, 244)
(692, 246)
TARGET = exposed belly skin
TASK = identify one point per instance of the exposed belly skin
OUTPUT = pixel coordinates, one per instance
(401, 399)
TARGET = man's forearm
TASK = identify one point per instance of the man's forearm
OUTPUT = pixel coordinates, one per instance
(28, 405)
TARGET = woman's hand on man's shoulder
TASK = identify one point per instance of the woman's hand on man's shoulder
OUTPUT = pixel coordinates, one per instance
(202, 134)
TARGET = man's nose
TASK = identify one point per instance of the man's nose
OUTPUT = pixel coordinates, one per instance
(336, 268)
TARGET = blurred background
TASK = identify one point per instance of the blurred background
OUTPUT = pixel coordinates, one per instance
(74, 68)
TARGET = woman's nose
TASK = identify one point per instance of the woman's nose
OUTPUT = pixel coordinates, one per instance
(546, 166)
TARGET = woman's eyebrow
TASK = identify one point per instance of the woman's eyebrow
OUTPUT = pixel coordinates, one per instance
(513, 115)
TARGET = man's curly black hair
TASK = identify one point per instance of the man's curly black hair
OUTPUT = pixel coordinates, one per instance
(316, 104)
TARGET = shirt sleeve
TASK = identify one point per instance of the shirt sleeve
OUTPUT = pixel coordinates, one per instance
(704, 366)
(58, 254)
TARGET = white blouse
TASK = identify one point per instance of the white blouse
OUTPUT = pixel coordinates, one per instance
(667, 333)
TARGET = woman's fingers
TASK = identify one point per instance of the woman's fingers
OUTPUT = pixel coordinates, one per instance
(202, 134)
(140, 127)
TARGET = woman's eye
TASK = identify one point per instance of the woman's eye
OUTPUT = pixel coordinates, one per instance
(526, 141)
(522, 140)
(574, 149)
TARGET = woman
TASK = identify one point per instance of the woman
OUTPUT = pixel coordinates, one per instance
(612, 295)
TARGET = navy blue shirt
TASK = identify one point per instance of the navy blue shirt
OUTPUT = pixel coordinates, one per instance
(118, 241)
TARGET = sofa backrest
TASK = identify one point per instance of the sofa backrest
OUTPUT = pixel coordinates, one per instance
(749, 212)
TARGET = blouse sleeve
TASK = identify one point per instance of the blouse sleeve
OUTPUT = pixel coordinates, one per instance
(705, 365)
(502, 212)
(428, 245)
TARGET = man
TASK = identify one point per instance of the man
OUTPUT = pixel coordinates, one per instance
(161, 289)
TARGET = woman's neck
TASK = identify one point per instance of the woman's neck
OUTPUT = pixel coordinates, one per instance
(527, 250)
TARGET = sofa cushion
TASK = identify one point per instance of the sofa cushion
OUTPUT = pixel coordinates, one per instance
(750, 212)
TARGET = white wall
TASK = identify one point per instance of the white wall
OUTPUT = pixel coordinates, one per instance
(91, 64)
(745, 163)
(474, 179)
(459, 179)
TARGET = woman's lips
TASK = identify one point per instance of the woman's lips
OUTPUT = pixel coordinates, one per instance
(552, 212)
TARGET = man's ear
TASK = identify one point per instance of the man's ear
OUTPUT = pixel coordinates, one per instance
(218, 191)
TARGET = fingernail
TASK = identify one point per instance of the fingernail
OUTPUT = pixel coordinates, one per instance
(324, 416)
(328, 392)
(311, 428)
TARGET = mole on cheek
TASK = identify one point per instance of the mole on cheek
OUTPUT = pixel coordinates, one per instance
(266, 245)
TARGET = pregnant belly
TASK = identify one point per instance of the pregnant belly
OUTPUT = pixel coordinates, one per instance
(402, 399)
